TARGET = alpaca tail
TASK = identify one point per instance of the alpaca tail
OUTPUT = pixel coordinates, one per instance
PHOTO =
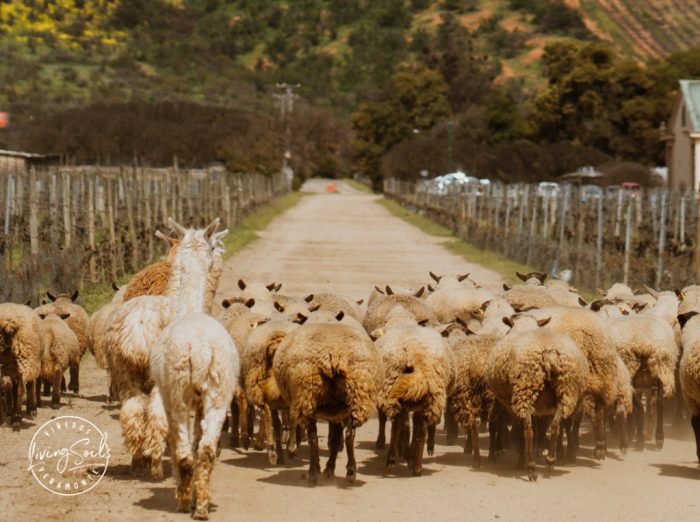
(132, 418)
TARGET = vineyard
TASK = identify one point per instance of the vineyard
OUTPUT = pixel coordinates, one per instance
(66, 227)
(647, 28)
(641, 240)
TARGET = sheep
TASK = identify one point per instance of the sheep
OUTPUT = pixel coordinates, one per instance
(328, 371)
(457, 301)
(591, 333)
(257, 355)
(690, 370)
(61, 350)
(534, 371)
(380, 303)
(647, 345)
(418, 372)
(21, 352)
(528, 296)
(195, 367)
(78, 321)
(333, 303)
(133, 330)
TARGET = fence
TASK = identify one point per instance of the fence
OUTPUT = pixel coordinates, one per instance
(602, 237)
(63, 227)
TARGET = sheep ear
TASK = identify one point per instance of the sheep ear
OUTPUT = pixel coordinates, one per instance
(638, 307)
(684, 318)
(601, 292)
(43, 301)
(315, 308)
(339, 316)
(176, 227)
(506, 287)
(28, 303)
(653, 292)
(376, 334)
(50, 296)
(241, 284)
(542, 322)
(539, 275)
(582, 301)
(423, 322)
(431, 289)
(461, 322)
(250, 303)
(277, 288)
(485, 305)
(389, 291)
(74, 296)
(115, 287)
(42, 316)
(379, 289)
(419, 293)
(624, 311)
(271, 287)
(360, 301)
(679, 294)
(508, 322)
(301, 318)
(446, 332)
(462, 277)
(226, 303)
(517, 307)
(597, 304)
(522, 277)
(64, 316)
(309, 298)
(436, 278)
(279, 307)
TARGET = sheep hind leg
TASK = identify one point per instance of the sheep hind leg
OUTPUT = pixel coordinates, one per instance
(621, 428)
(314, 456)
(335, 433)
(235, 416)
(431, 440)
(529, 447)
(553, 438)
(74, 384)
(420, 432)
(473, 429)
(599, 431)
(18, 393)
(397, 425)
(266, 422)
(695, 423)
(56, 390)
(381, 437)
(659, 435)
(638, 416)
(277, 429)
(31, 399)
(451, 426)
(351, 468)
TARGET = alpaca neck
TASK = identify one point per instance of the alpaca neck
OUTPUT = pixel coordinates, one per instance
(191, 274)
(215, 272)
(172, 289)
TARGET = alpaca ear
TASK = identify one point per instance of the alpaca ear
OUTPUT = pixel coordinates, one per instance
(522, 277)
(74, 296)
(461, 278)
(212, 227)
(654, 293)
(50, 296)
(226, 303)
(315, 308)
(419, 293)
(389, 291)
(115, 287)
(543, 322)
(379, 289)
(176, 227)
(241, 284)
(309, 298)
(250, 303)
(64, 316)
(219, 236)
(436, 278)
(168, 240)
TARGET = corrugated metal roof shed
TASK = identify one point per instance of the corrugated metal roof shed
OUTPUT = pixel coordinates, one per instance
(691, 100)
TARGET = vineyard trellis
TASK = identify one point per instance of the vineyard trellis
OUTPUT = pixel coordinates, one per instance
(648, 239)
(63, 227)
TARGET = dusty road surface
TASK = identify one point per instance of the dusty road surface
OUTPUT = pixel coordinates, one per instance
(346, 243)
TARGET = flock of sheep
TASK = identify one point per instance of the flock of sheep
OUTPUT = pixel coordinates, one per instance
(529, 361)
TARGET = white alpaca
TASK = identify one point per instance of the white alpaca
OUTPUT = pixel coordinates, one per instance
(133, 330)
(195, 368)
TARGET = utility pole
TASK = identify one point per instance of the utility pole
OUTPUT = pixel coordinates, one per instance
(450, 126)
(284, 100)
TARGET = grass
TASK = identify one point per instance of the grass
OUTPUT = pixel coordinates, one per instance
(97, 295)
(357, 185)
(492, 260)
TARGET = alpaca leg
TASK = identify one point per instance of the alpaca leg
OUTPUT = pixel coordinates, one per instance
(420, 432)
(529, 447)
(695, 423)
(397, 425)
(659, 417)
(209, 431)
(277, 428)
(351, 468)
(56, 390)
(133, 419)
(235, 416)
(381, 437)
(181, 451)
(266, 427)
(335, 433)
(157, 429)
(314, 457)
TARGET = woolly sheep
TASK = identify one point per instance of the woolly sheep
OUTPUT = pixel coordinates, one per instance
(21, 352)
(690, 370)
(328, 371)
(536, 371)
(61, 349)
(333, 303)
(418, 372)
(380, 304)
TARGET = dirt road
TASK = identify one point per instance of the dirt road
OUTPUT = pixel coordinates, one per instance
(345, 243)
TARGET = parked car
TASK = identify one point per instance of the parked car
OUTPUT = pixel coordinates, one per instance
(632, 189)
(548, 188)
(589, 192)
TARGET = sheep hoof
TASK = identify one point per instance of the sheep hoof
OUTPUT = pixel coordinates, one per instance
(623, 450)
(272, 456)
(246, 442)
(235, 441)
(381, 442)
(599, 453)
(350, 475)
(329, 473)
(639, 445)
(531, 473)
(54, 406)
(417, 472)
(312, 480)
(257, 446)
(285, 436)
(660, 444)
(16, 424)
(550, 461)
(431, 451)
(476, 464)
